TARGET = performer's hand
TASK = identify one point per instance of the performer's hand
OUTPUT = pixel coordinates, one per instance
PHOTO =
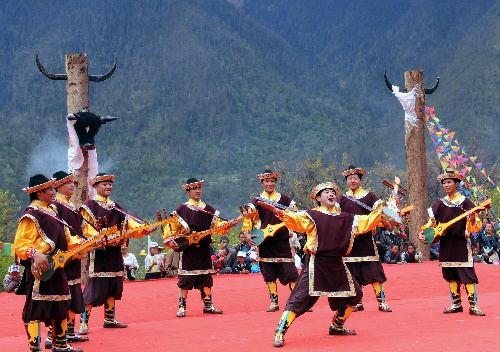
(170, 242)
(41, 260)
(421, 237)
(248, 238)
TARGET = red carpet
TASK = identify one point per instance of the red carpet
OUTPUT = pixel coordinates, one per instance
(416, 293)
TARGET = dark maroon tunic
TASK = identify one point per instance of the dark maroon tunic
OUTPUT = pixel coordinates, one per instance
(455, 253)
(69, 213)
(277, 246)
(197, 256)
(47, 300)
(363, 261)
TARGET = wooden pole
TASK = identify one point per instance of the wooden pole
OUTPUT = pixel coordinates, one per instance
(416, 162)
(77, 90)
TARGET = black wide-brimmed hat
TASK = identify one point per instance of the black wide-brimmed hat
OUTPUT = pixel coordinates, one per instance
(268, 174)
(61, 178)
(450, 174)
(193, 183)
(100, 177)
(353, 170)
(37, 183)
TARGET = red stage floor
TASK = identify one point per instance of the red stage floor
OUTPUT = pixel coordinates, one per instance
(416, 293)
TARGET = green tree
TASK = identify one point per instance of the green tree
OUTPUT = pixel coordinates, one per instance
(9, 209)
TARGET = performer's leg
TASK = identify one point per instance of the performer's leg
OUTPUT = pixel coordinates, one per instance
(380, 294)
(456, 301)
(286, 320)
(84, 320)
(33, 332)
(273, 294)
(337, 327)
(206, 297)
(182, 303)
(472, 297)
(71, 335)
(48, 340)
(109, 315)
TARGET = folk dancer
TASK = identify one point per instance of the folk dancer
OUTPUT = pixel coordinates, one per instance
(275, 255)
(330, 236)
(40, 233)
(455, 254)
(67, 211)
(195, 264)
(106, 269)
(363, 261)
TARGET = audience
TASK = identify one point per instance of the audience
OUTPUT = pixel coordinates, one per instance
(241, 266)
(393, 256)
(219, 261)
(130, 262)
(410, 254)
(298, 261)
(12, 280)
(172, 263)
(154, 262)
(254, 264)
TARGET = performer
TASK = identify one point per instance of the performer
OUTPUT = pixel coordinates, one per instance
(330, 236)
(275, 255)
(40, 233)
(455, 254)
(106, 269)
(68, 212)
(363, 261)
(195, 265)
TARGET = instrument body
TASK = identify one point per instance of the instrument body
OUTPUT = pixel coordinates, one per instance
(259, 235)
(434, 233)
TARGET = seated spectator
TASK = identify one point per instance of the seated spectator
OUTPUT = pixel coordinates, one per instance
(410, 254)
(477, 258)
(298, 261)
(219, 261)
(12, 280)
(434, 251)
(243, 245)
(254, 264)
(130, 262)
(231, 256)
(241, 266)
(154, 262)
(383, 241)
(172, 263)
(393, 256)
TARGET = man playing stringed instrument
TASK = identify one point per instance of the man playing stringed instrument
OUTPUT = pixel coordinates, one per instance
(363, 261)
(106, 269)
(67, 211)
(195, 264)
(41, 232)
(275, 255)
(455, 254)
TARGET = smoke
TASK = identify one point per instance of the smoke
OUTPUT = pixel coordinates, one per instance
(50, 155)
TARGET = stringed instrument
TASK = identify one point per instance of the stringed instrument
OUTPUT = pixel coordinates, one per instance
(183, 241)
(259, 235)
(434, 233)
(60, 258)
(106, 237)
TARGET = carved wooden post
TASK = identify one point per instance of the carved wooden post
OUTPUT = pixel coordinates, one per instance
(77, 90)
(416, 162)
(416, 158)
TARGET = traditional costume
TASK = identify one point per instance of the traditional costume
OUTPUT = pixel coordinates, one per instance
(455, 254)
(275, 255)
(195, 263)
(106, 268)
(41, 230)
(330, 236)
(69, 213)
(363, 261)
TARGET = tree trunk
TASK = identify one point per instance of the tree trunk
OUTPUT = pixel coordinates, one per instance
(416, 163)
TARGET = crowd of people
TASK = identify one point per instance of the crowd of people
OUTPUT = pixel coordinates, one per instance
(347, 234)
